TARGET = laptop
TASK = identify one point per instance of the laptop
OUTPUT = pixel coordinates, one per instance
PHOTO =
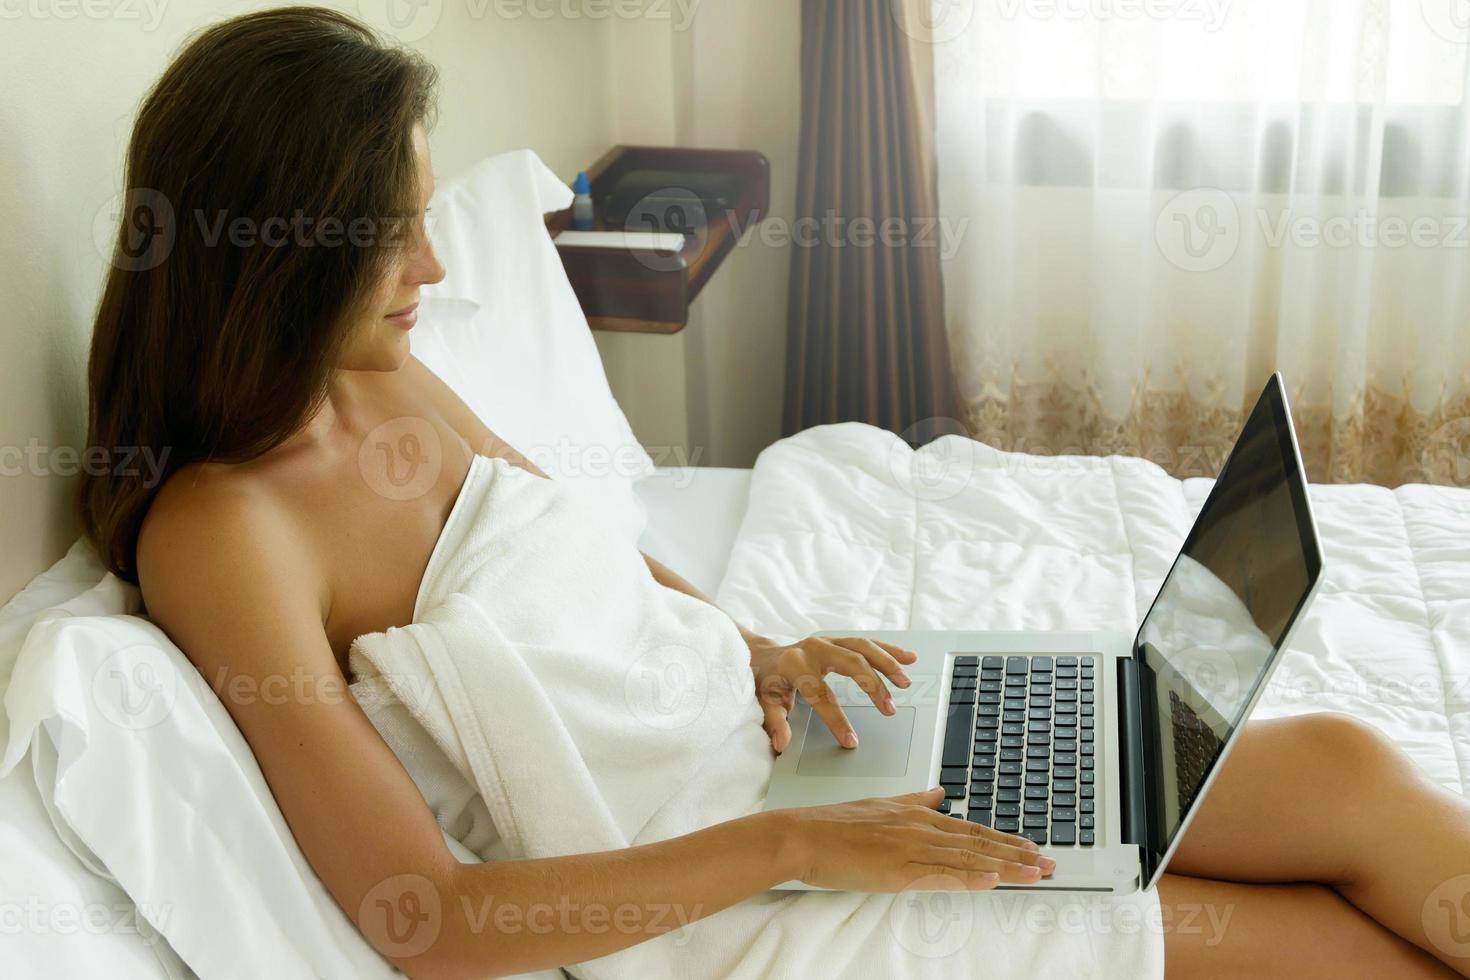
(1098, 746)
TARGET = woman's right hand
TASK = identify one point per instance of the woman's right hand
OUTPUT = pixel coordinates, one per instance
(889, 843)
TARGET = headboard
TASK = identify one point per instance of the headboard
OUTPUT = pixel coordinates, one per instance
(73, 86)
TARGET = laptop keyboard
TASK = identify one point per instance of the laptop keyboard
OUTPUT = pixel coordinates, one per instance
(1019, 747)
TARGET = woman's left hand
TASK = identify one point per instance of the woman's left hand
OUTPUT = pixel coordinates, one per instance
(782, 671)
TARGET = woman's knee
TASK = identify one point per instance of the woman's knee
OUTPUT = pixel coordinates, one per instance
(1337, 746)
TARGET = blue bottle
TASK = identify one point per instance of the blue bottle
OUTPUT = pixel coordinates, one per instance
(582, 203)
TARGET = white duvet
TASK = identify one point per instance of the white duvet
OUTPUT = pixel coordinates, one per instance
(848, 528)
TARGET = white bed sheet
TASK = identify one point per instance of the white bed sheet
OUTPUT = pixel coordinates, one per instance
(694, 515)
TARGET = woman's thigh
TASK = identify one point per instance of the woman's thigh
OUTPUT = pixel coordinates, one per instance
(1230, 929)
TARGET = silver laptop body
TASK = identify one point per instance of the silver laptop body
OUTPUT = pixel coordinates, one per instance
(1097, 745)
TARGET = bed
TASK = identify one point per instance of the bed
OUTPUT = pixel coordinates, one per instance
(840, 527)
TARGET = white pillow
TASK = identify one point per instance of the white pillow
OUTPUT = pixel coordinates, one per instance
(149, 782)
(505, 331)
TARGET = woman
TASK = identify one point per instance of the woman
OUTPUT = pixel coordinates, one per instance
(258, 342)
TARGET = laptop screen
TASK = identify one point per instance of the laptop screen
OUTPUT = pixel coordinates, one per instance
(1246, 570)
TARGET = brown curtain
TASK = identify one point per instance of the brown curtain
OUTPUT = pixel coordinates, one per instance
(865, 318)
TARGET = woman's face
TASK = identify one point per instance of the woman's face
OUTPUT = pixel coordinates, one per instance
(380, 338)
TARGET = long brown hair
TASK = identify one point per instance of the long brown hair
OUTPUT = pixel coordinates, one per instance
(242, 255)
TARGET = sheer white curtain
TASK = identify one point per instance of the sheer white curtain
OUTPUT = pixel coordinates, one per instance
(1151, 204)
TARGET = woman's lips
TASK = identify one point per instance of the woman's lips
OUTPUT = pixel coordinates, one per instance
(404, 318)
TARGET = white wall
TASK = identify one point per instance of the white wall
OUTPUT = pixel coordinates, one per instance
(74, 74)
(728, 77)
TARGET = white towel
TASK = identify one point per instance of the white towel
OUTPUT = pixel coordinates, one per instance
(594, 709)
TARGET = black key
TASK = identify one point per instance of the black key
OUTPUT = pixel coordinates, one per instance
(993, 663)
(961, 670)
(1038, 738)
(1066, 758)
(1065, 697)
(1007, 825)
(1038, 765)
(1065, 772)
(1040, 665)
(1087, 688)
(958, 815)
(1036, 751)
(1087, 792)
(1066, 731)
(1087, 711)
(987, 723)
(1035, 822)
(1064, 815)
(981, 791)
(1066, 745)
(1086, 806)
(963, 696)
(957, 775)
(1035, 836)
(1037, 778)
(1087, 777)
(1087, 838)
(1014, 716)
(1087, 698)
(962, 682)
(984, 775)
(982, 817)
(1012, 741)
(1066, 661)
(1015, 665)
(1009, 782)
(991, 675)
(1064, 799)
(1063, 833)
(1036, 793)
(1013, 728)
(1036, 806)
(987, 697)
(989, 709)
(1037, 702)
(957, 729)
(1087, 763)
(1040, 713)
(966, 660)
(943, 806)
(954, 792)
(1088, 662)
(1010, 767)
(1087, 823)
(1008, 809)
(1011, 755)
(991, 686)
(985, 747)
(1015, 704)
(1066, 684)
(1038, 726)
(1007, 795)
(1065, 785)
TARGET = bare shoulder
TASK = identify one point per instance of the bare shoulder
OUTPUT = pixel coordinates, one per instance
(460, 416)
(217, 545)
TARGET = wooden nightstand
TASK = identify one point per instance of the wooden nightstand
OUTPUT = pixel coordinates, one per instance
(641, 291)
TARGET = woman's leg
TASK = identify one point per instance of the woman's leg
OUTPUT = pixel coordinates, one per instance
(1327, 799)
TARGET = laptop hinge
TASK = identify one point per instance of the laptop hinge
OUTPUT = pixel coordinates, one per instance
(1132, 778)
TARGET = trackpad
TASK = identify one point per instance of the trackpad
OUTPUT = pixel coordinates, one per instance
(882, 749)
